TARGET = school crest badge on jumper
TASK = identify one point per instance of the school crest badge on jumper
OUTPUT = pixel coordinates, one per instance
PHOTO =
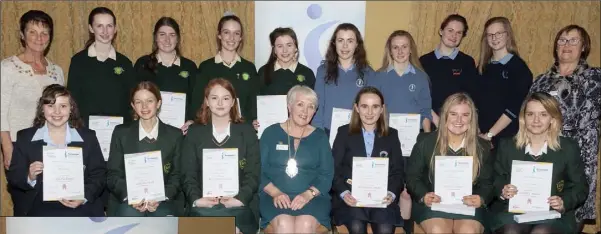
(505, 74)
(167, 167)
(118, 70)
(560, 186)
(242, 163)
(412, 87)
(184, 74)
(456, 72)
(300, 78)
(360, 82)
(245, 76)
(383, 154)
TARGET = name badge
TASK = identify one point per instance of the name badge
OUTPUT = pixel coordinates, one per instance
(553, 93)
(281, 147)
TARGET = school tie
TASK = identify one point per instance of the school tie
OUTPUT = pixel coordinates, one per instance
(148, 140)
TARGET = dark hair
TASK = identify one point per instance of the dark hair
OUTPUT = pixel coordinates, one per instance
(222, 21)
(37, 17)
(94, 12)
(355, 125)
(49, 95)
(586, 40)
(151, 65)
(278, 32)
(203, 115)
(144, 85)
(331, 61)
(455, 17)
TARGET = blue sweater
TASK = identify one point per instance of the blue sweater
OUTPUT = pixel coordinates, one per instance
(406, 94)
(341, 95)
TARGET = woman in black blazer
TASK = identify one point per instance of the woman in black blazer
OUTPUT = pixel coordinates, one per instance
(57, 123)
(367, 135)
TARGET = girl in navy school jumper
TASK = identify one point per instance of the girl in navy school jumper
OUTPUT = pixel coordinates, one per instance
(449, 70)
(342, 74)
(505, 81)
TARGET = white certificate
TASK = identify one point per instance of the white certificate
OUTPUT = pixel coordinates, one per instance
(271, 109)
(220, 172)
(453, 178)
(408, 127)
(370, 181)
(144, 177)
(104, 126)
(63, 174)
(533, 182)
(173, 109)
(339, 117)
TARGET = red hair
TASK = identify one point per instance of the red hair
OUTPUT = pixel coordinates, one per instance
(203, 116)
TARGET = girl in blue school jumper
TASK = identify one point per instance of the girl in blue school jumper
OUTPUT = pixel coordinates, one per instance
(342, 74)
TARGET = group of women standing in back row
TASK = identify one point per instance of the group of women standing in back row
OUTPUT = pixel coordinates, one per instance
(466, 108)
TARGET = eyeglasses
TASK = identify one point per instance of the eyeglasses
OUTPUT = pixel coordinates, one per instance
(573, 41)
(495, 35)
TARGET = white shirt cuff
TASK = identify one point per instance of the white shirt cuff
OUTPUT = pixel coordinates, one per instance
(392, 195)
(344, 193)
(31, 182)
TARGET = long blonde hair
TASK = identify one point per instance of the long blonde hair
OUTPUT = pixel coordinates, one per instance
(486, 50)
(387, 60)
(522, 138)
(471, 136)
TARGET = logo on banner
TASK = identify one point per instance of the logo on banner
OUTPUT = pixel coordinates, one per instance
(311, 47)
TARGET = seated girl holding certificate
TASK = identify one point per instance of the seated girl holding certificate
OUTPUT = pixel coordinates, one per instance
(539, 140)
(457, 135)
(367, 135)
(220, 130)
(146, 134)
(57, 124)
(297, 169)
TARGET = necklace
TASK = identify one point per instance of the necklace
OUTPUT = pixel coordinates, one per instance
(291, 167)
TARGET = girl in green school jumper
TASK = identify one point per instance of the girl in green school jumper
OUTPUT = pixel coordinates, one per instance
(229, 65)
(218, 127)
(283, 71)
(165, 66)
(539, 140)
(456, 136)
(100, 78)
(145, 134)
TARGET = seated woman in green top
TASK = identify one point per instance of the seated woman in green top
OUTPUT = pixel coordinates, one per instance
(146, 134)
(282, 70)
(228, 64)
(457, 135)
(165, 66)
(539, 140)
(218, 127)
(297, 168)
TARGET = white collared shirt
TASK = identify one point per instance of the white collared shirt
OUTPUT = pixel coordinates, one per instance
(292, 67)
(218, 59)
(153, 134)
(543, 150)
(460, 146)
(221, 136)
(177, 61)
(92, 52)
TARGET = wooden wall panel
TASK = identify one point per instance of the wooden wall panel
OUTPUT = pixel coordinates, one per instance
(535, 24)
(135, 21)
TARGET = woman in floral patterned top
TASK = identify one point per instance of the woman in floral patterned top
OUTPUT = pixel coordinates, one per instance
(24, 77)
(577, 87)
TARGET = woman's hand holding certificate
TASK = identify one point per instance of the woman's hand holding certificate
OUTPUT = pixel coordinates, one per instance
(473, 201)
(230, 202)
(349, 199)
(556, 203)
(430, 198)
(207, 202)
(35, 169)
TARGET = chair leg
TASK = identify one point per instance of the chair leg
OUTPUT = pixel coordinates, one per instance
(408, 225)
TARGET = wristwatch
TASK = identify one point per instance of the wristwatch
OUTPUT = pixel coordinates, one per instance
(313, 193)
(490, 135)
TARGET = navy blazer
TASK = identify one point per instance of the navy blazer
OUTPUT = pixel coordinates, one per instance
(346, 146)
(26, 152)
